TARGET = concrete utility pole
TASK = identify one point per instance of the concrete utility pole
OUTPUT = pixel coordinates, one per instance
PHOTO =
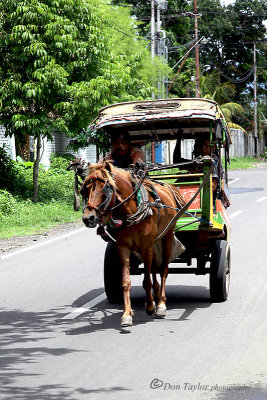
(152, 29)
(255, 101)
(196, 50)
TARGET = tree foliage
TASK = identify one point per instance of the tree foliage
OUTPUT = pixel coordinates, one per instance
(57, 67)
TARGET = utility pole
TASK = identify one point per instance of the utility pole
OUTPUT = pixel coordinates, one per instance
(152, 29)
(158, 43)
(255, 101)
(196, 51)
(152, 58)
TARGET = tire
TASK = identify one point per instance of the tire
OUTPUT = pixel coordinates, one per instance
(220, 271)
(113, 274)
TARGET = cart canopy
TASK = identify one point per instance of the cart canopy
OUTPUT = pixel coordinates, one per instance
(157, 120)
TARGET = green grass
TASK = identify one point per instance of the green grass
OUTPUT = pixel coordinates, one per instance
(20, 216)
(30, 218)
(244, 162)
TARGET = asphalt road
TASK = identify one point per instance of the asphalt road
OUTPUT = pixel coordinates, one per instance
(61, 340)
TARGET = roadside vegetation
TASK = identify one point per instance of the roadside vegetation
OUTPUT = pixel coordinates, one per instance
(19, 215)
(245, 162)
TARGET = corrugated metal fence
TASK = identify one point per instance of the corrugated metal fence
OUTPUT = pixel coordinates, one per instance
(244, 144)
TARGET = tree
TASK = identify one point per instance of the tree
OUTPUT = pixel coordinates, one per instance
(57, 68)
(223, 95)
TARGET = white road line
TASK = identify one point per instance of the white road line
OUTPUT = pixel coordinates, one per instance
(261, 199)
(37, 245)
(233, 181)
(86, 307)
(235, 214)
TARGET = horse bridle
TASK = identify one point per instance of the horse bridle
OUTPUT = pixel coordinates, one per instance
(108, 192)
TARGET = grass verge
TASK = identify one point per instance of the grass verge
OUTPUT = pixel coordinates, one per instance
(30, 218)
(245, 162)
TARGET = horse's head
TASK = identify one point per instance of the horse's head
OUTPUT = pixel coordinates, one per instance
(98, 191)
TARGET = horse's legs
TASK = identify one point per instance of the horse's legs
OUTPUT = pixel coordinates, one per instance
(124, 254)
(156, 287)
(147, 283)
(166, 253)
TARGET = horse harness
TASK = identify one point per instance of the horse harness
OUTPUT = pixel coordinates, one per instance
(143, 208)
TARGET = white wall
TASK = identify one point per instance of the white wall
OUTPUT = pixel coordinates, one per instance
(59, 145)
(9, 141)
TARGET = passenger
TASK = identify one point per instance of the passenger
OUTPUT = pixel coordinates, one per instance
(123, 153)
(202, 148)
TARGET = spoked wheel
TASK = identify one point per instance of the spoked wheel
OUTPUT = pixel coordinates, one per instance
(220, 271)
(113, 274)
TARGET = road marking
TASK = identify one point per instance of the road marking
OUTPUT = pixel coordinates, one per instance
(233, 181)
(235, 214)
(261, 199)
(36, 246)
(86, 307)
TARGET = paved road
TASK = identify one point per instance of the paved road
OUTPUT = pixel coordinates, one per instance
(60, 339)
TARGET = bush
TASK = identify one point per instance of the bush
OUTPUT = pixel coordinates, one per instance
(8, 203)
(264, 153)
(8, 170)
(60, 162)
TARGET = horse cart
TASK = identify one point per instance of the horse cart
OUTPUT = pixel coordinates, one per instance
(201, 224)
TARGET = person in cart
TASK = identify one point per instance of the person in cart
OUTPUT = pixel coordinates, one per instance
(203, 148)
(123, 153)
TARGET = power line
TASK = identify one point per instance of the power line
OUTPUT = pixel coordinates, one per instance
(127, 34)
(180, 47)
(189, 13)
(239, 80)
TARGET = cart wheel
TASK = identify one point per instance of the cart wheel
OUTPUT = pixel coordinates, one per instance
(113, 274)
(220, 271)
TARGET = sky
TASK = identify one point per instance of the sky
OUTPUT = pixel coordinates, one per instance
(227, 2)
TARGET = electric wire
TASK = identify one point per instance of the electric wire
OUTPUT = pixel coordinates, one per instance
(191, 13)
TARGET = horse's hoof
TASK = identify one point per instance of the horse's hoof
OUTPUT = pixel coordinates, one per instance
(152, 310)
(161, 311)
(126, 321)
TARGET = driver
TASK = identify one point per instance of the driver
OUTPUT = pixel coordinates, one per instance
(123, 153)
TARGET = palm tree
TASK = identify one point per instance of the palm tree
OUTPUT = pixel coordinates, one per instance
(222, 94)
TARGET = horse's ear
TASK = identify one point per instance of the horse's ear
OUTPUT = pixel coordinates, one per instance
(108, 166)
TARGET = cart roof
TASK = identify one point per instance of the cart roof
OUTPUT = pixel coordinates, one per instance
(161, 119)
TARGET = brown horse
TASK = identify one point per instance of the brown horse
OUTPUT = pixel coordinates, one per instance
(105, 189)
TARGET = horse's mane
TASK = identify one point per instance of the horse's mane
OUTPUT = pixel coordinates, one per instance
(101, 171)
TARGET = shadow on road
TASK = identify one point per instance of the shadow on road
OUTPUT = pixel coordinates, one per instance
(18, 334)
(184, 299)
(241, 190)
(238, 392)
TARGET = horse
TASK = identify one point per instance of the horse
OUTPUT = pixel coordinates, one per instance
(111, 201)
